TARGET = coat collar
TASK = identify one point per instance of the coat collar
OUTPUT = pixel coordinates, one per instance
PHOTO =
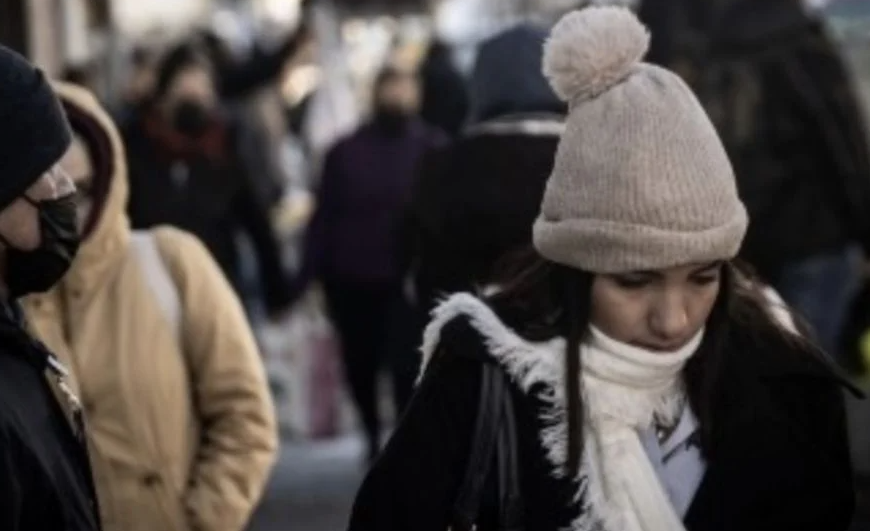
(538, 370)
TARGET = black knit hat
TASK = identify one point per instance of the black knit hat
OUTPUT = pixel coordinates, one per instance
(34, 133)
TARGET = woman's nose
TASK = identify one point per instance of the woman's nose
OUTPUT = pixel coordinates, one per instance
(669, 320)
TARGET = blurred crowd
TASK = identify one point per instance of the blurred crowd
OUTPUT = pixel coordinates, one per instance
(209, 214)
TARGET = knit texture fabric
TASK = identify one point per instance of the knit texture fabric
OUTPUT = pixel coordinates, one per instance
(641, 180)
(34, 133)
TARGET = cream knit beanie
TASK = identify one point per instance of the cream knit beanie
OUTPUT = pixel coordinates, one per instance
(641, 180)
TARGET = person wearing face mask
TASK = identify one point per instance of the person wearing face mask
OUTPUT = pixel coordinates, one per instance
(187, 170)
(45, 476)
(180, 418)
(626, 375)
(352, 243)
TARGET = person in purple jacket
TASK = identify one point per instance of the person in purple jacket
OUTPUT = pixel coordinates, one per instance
(353, 242)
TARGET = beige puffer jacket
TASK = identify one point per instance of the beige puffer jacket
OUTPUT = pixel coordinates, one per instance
(181, 430)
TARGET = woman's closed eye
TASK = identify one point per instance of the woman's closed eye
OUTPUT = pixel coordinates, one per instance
(633, 280)
(708, 275)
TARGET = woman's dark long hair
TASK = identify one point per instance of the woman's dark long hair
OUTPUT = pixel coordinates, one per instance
(542, 300)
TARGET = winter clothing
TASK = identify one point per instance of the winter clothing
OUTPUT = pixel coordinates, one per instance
(778, 409)
(821, 289)
(641, 181)
(366, 184)
(458, 223)
(369, 319)
(782, 100)
(203, 187)
(33, 126)
(444, 91)
(458, 227)
(353, 246)
(181, 425)
(46, 478)
(507, 79)
(43, 461)
(628, 389)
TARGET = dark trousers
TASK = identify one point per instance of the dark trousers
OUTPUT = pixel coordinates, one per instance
(375, 326)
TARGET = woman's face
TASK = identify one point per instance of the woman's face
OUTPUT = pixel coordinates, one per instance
(656, 310)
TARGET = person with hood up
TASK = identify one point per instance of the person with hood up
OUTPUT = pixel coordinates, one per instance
(444, 99)
(476, 198)
(45, 476)
(628, 377)
(182, 432)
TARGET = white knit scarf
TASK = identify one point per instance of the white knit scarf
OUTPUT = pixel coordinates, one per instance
(628, 390)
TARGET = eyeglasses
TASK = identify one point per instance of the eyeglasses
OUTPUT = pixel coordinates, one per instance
(60, 182)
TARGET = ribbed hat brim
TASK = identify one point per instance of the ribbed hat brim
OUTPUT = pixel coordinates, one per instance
(602, 246)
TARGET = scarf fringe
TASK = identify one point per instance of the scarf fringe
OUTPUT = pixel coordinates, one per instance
(527, 364)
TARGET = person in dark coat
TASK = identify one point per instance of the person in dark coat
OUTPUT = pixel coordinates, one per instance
(45, 476)
(458, 227)
(352, 244)
(445, 96)
(187, 169)
(783, 101)
(655, 387)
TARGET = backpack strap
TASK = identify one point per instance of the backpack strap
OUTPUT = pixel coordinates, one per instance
(510, 492)
(158, 277)
(466, 509)
(494, 451)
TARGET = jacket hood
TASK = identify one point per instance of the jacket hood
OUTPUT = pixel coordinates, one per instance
(108, 230)
(508, 78)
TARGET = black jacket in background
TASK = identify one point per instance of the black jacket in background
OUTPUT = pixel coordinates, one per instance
(444, 92)
(780, 95)
(45, 476)
(476, 200)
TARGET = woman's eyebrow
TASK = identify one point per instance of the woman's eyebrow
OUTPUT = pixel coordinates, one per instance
(705, 268)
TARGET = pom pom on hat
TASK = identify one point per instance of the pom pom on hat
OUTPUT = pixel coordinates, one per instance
(591, 50)
(641, 180)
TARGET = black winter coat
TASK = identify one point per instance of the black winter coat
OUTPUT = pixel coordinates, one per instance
(779, 460)
(458, 228)
(783, 102)
(45, 476)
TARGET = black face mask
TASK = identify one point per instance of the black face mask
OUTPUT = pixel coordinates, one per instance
(191, 118)
(38, 270)
(391, 120)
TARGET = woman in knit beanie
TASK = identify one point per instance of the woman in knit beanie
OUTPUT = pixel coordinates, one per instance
(651, 386)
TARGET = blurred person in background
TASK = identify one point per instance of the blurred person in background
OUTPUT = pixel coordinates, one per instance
(138, 86)
(45, 476)
(476, 199)
(181, 424)
(188, 169)
(445, 95)
(781, 97)
(239, 77)
(352, 244)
